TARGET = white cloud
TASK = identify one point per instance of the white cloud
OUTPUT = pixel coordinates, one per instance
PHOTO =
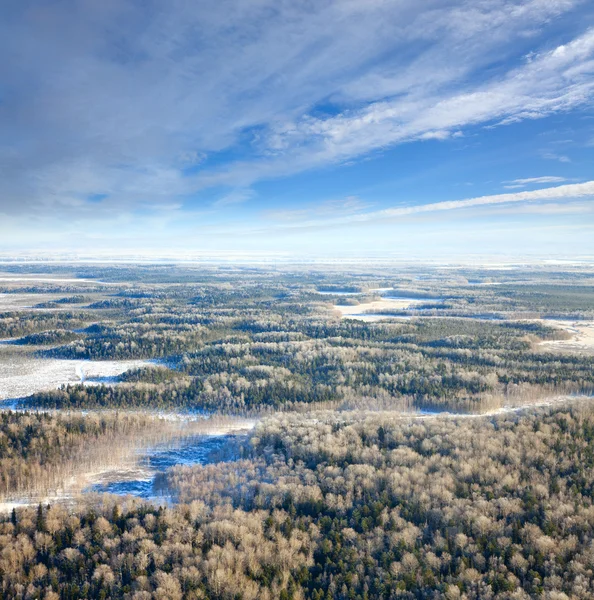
(570, 191)
(563, 192)
(554, 81)
(520, 183)
(555, 156)
(238, 196)
(125, 98)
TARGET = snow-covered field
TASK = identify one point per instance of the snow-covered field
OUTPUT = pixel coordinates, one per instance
(20, 301)
(9, 278)
(22, 374)
(367, 311)
(582, 335)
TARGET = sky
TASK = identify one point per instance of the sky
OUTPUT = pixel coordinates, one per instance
(371, 128)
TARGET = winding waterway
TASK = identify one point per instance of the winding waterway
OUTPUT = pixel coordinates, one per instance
(145, 480)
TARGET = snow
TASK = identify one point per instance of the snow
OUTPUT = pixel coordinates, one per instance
(582, 335)
(368, 311)
(22, 374)
(337, 293)
(20, 301)
(140, 480)
(44, 279)
(134, 473)
(507, 409)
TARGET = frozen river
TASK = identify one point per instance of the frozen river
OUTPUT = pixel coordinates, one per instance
(144, 480)
(140, 472)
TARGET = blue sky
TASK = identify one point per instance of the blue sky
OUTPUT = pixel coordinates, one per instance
(373, 128)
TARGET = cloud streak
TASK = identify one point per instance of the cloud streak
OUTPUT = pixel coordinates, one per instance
(570, 191)
(554, 81)
(520, 183)
(146, 102)
(564, 192)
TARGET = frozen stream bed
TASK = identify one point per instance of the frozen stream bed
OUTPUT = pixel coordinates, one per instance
(143, 480)
(140, 472)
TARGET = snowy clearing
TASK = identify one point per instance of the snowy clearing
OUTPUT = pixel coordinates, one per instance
(367, 311)
(22, 374)
(20, 301)
(43, 279)
(582, 335)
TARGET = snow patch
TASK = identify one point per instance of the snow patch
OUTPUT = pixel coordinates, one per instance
(22, 374)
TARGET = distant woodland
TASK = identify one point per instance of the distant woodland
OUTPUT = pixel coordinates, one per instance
(440, 450)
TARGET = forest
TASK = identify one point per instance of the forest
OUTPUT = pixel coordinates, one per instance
(339, 506)
(39, 450)
(418, 433)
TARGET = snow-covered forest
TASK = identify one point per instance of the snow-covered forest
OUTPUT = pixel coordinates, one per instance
(337, 433)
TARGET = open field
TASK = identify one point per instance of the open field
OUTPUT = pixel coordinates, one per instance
(581, 336)
(24, 279)
(372, 311)
(22, 374)
(21, 301)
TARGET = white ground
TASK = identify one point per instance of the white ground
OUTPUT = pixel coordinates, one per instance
(333, 293)
(23, 301)
(22, 374)
(367, 311)
(582, 335)
(42, 279)
(125, 468)
(130, 470)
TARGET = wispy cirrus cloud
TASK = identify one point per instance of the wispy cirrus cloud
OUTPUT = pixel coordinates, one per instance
(122, 98)
(236, 196)
(328, 209)
(549, 82)
(520, 183)
(575, 191)
(556, 156)
(570, 191)
(553, 81)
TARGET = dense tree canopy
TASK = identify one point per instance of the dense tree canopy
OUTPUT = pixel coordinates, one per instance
(339, 492)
